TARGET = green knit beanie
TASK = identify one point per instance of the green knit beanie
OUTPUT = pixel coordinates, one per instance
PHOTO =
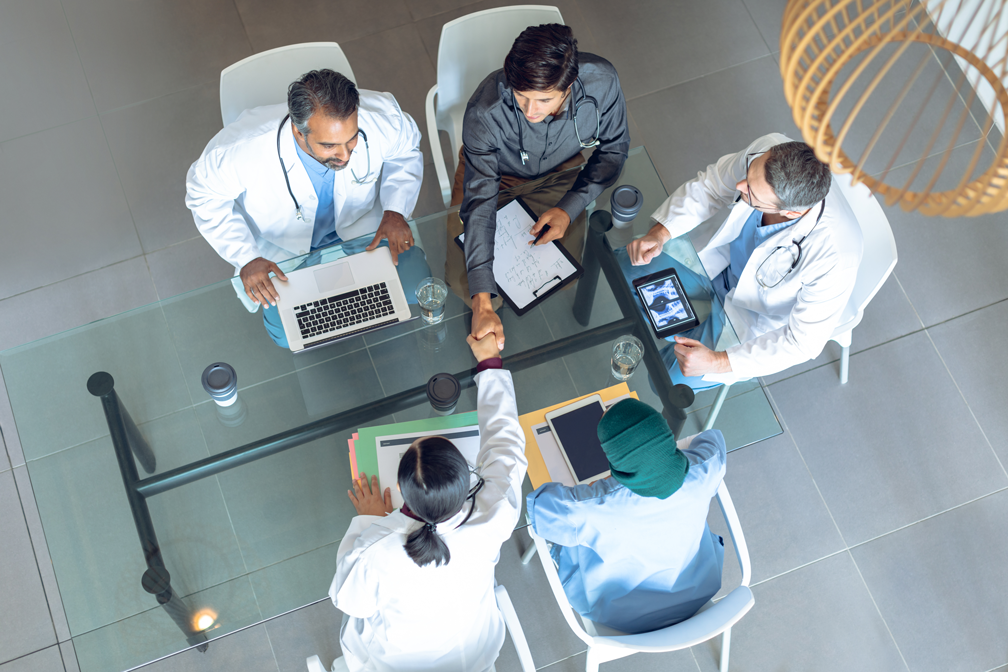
(642, 449)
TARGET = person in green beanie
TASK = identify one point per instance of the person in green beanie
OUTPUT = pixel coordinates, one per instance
(633, 550)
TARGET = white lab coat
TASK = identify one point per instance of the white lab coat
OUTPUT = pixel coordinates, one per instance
(403, 617)
(240, 201)
(790, 323)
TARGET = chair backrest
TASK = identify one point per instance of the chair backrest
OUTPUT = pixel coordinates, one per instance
(472, 47)
(706, 624)
(879, 248)
(263, 79)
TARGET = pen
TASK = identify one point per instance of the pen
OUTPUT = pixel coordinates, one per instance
(542, 232)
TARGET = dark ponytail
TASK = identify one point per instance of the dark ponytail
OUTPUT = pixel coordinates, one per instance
(434, 481)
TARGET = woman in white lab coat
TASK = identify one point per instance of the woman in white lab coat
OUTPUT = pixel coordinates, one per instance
(417, 585)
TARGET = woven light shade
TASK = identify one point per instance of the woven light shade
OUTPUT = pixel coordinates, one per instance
(858, 77)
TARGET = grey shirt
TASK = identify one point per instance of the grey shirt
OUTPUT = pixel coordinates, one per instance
(490, 139)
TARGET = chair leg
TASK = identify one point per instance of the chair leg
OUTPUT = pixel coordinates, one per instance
(716, 408)
(844, 362)
(591, 665)
(529, 552)
(725, 645)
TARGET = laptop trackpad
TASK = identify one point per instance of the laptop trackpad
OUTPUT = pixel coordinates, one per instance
(333, 278)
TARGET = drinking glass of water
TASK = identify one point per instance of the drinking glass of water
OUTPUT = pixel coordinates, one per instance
(626, 355)
(431, 294)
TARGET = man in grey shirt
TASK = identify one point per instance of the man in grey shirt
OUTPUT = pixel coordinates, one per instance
(527, 125)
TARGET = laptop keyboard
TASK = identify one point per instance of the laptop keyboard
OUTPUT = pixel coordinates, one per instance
(317, 318)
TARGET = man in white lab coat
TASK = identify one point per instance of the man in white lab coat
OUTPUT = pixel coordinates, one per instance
(403, 615)
(783, 263)
(331, 165)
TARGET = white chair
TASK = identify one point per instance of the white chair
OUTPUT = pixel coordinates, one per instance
(510, 621)
(471, 47)
(717, 618)
(263, 79)
(877, 263)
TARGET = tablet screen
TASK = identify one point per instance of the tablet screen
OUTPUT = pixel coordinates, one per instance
(577, 432)
(664, 302)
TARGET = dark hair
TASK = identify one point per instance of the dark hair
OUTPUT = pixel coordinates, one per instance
(799, 180)
(434, 481)
(324, 90)
(542, 58)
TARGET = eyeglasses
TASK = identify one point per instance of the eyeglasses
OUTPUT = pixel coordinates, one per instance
(784, 258)
(749, 197)
(473, 491)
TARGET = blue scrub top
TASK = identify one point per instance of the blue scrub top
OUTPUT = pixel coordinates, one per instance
(322, 178)
(742, 248)
(634, 563)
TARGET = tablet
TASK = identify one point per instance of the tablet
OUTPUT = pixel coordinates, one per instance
(665, 303)
(575, 428)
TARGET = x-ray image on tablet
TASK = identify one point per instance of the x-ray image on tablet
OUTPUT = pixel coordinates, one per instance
(665, 304)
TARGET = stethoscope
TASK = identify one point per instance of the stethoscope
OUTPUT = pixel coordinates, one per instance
(356, 180)
(585, 98)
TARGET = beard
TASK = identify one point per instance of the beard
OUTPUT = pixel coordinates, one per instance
(335, 165)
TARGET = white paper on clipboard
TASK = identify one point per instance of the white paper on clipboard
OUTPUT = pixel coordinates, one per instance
(525, 272)
(391, 448)
(556, 465)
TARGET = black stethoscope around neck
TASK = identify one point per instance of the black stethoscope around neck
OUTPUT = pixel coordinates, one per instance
(585, 98)
(283, 168)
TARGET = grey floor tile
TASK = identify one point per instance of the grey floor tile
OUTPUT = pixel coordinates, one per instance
(969, 346)
(429, 201)
(784, 520)
(675, 661)
(270, 25)
(312, 631)
(636, 40)
(86, 227)
(874, 446)
(97, 556)
(766, 14)
(820, 617)
(25, 625)
(690, 126)
(246, 650)
(42, 558)
(290, 503)
(887, 317)
(46, 660)
(145, 370)
(41, 63)
(133, 52)
(153, 144)
(939, 584)
(74, 302)
(549, 638)
(430, 27)
(299, 581)
(187, 266)
(394, 60)
(973, 245)
(69, 656)
(423, 9)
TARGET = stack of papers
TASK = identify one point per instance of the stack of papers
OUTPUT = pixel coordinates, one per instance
(377, 450)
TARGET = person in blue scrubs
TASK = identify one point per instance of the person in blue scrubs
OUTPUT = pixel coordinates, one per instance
(633, 550)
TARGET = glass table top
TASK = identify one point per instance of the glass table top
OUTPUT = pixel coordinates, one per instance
(260, 539)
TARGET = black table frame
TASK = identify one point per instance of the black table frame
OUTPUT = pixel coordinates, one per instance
(130, 445)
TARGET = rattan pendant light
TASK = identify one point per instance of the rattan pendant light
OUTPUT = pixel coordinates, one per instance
(882, 94)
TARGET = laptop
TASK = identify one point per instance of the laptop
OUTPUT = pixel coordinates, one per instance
(323, 304)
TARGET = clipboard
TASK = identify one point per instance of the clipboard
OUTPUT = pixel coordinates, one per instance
(526, 275)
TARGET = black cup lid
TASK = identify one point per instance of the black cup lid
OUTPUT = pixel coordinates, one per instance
(626, 202)
(443, 390)
(219, 377)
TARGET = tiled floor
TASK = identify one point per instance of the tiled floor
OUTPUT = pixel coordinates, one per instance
(876, 522)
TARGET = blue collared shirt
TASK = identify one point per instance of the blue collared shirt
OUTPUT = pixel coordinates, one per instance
(742, 247)
(322, 178)
(636, 563)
